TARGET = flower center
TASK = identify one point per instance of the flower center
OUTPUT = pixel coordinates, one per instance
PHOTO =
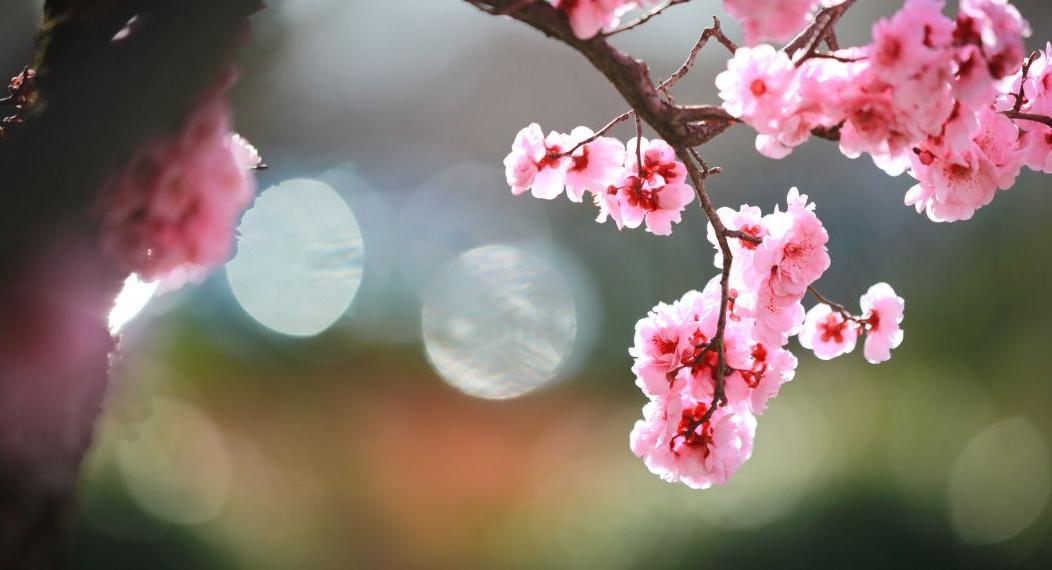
(758, 87)
(693, 435)
(833, 328)
(580, 161)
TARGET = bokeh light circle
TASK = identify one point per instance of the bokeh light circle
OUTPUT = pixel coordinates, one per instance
(178, 467)
(497, 321)
(299, 259)
(1000, 484)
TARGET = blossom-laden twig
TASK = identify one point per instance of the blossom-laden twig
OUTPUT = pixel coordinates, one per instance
(1020, 96)
(683, 126)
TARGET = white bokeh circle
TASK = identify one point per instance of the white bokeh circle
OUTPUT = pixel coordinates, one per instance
(299, 259)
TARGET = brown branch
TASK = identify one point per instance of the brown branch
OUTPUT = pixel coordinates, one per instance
(628, 75)
(714, 31)
(697, 177)
(820, 30)
(685, 114)
(1043, 119)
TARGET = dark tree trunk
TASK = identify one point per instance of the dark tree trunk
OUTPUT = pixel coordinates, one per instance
(96, 101)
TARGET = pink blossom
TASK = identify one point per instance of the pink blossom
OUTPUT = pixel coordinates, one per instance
(953, 184)
(872, 125)
(828, 333)
(913, 40)
(660, 340)
(535, 163)
(998, 28)
(660, 165)
(171, 210)
(674, 446)
(776, 317)
(589, 17)
(812, 102)
(760, 377)
(774, 20)
(793, 255)
(609, 206)
(756, 87)
(746, 219)
(594, 166)
(658, 206)
(882, 311)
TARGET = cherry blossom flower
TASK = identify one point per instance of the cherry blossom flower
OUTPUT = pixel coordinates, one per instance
(594, 166)
(660, 340)
(760, 377)
(774, 20)
(912, 41)
(660, 165)
(794, 254)
(756, 86)
(997, 27)
(170, 212)
(746, 219)
(535, 163)
(658, 206)
(776, 317)
(674, 446)
(589, 17)
(952, 186)
(882, 312)
(828, 333)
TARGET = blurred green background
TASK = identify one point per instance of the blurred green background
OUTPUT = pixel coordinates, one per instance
(407, 367)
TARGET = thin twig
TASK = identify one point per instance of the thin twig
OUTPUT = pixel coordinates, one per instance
(714, 31)
(820, 30)
(613, 123)
(644, 18)
(1020, 97)
(697, 113)
(639, 149)
(834, 305)
(698, 178)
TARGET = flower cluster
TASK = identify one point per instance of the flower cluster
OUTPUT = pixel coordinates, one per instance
(590, 17)
(170, 212)
(774, 20)
(926, 96)
(677, 347)
(641, 184)
(830, 331)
